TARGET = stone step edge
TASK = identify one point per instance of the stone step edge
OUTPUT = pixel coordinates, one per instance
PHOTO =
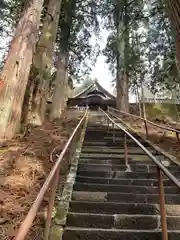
(120, 215)
(123, 203)
(125, 193)
(117, 230)
(104, 178)
(121, 185)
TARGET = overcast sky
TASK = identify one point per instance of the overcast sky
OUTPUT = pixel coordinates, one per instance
(101, 68)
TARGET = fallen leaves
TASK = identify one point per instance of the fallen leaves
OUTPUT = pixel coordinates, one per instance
(24, 165)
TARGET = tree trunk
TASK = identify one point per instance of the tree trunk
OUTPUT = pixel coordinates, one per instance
(174, 13)
(59, 96)
(26, 105)
(122, 60)
(143, 101)
(15, 72)
(138, 100)
(60, 92)
(43, 60)
(122, 92)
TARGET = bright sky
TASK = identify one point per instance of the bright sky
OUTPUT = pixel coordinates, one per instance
(101, 72)
(101, 69)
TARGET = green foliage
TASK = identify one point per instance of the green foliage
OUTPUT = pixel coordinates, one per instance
(151, 53)
(162, 110)
(112, 13)
(78, 22)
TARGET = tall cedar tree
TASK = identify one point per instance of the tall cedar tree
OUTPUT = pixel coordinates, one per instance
(60, 91)
(15, 73)
(174, 10)
(43, 62)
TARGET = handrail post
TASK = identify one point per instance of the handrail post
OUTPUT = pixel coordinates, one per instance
(146, 128)
(108, 122)
(177, 136)
(162, 205)
(51, 204)
(125, 149)
(113, 133)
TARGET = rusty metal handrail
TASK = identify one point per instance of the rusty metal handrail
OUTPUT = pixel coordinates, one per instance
(160, 165)
(148, 121)
(160, 168)
(28, 221)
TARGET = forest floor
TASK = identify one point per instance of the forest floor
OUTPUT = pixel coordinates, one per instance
(24, 166)
(162, 138)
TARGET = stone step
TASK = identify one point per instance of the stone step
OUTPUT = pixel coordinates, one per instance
(114, 161)
(123, 197)
(108, 137)
(114, 234)
(113, 148)
(106, 131)
(120, 221)
(107, 156)
(131, 162)
(121, 167)
(134, 150)
(110, 143)
(117, 138)
(123, 188)
(118, 174)
(122, 208)
(108, 202)
(123, 181)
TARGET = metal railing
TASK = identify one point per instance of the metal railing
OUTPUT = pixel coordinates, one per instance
(50, 182)
(160, 169)
(177, 132)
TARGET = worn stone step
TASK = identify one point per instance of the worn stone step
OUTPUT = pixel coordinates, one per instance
(117, 221)
(114, 234)
(131, 162)
(118, 139)
(123, 167)
(110, 141)
(120, 221)
(123, 181)
(122, 208)
(112, 148)
(110, 138)
(122, 188)
(107, 156)
(114, 161)
(120, 174)
(111, 144)
(105, 130)
(123, 197)
(131, 150)
(117, 174)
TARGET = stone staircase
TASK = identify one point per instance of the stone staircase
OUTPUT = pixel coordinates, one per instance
(117, 202)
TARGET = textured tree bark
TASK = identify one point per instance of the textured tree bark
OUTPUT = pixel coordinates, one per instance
(26, 105)
(59, 96)
(60, 92)
(174, 14)
(16, 70)
(139, 101)
(122, 83)
(143, 101)
(43, 60)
